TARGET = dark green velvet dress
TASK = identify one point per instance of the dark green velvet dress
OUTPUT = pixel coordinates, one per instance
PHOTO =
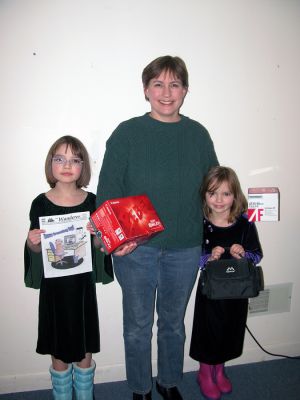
(68, 325)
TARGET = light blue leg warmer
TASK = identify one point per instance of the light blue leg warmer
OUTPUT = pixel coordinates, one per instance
(84, 382)
(62, 383)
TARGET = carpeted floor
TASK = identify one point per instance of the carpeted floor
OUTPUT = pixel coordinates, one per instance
(270, 380)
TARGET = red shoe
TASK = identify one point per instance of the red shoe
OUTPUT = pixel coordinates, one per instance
(221, 379)
(206, 382)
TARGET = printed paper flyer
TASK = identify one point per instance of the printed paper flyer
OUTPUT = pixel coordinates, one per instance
(66, 244)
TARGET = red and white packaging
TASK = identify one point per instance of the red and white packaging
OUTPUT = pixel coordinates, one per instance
(122, 220)
(263, 204)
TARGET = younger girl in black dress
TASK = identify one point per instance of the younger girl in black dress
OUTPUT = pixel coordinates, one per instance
(68, 316)
(219, 325)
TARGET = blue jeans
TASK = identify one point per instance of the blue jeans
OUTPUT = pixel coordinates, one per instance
(168, 276)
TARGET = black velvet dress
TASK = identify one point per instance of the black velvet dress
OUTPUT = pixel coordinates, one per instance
(219, 325)
(68, 325)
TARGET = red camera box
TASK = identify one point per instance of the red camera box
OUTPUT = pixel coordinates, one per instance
(122, 220)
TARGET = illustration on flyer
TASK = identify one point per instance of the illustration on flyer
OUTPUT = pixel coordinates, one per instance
(66, 244)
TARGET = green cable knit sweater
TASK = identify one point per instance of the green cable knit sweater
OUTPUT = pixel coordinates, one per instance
(166, 161)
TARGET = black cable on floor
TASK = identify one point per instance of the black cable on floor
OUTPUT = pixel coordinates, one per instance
(271, 354)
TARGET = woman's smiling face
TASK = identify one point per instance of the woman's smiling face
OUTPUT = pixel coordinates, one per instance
(166, 95)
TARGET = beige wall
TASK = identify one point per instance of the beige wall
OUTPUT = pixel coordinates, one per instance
(74, 67)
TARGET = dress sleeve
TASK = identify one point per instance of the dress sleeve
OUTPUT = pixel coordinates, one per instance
(102, 263)
(33, 268)
(33, 262)
(206, 250)
(102, 267)
(203, 260)
(252, 245)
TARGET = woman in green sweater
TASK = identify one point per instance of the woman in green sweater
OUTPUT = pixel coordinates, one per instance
(164, 155)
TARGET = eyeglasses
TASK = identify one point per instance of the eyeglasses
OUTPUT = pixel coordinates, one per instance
(74, 162)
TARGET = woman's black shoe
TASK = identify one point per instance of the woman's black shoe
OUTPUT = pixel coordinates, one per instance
(169, 393)
(137, 396)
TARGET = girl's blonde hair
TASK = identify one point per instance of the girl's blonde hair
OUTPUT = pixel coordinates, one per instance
(79, 150)
(212, 181)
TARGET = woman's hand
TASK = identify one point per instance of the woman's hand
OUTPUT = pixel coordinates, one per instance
(237, 251)
(216, 253)
(125, 249)
(122, 250)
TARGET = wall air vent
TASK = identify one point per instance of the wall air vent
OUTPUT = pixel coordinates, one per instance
(272, 300)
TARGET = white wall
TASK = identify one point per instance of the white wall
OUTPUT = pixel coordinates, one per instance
(74, 67)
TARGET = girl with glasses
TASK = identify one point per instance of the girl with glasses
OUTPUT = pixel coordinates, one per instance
(68, 327)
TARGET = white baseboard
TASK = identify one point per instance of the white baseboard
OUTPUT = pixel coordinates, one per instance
(24, 383)
(41, 381)
(113, 373)
(254, 355)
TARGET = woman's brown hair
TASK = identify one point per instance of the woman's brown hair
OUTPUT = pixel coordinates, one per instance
(212, 181)
(79, 150)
